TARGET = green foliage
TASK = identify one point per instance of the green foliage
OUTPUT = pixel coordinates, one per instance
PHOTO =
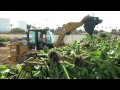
(98, 58)
(3, 39)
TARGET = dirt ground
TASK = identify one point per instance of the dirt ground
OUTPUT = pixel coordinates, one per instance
(4, 53)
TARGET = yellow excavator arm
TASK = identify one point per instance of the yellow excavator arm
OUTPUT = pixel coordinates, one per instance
(67, 28)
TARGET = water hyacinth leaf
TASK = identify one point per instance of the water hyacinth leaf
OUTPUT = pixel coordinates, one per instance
(103, 47)
(37, 67)
(2, 77)
(111, 52)
(6, 71)
(2, 67)
(46, 49)
(96, 53)
(68, 64)
(37, 74)
(66, 73)
(83, 71)
(95, 58)
(98, 63)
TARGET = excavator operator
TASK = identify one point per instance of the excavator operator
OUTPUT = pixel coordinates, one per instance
(41, 41)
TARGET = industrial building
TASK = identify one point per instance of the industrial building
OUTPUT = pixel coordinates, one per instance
(4, 24)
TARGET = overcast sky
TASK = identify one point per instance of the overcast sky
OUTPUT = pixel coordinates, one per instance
(53, 19)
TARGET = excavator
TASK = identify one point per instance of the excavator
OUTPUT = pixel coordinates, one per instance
(19, 49)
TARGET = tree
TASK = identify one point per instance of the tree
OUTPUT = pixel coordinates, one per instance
(52, 30)
(80, 31)
(28, 26)
(75, 32)
(57, 31)
(46, 28)
(17, 31)
(118, 32)
(114, 31)
(101, 31)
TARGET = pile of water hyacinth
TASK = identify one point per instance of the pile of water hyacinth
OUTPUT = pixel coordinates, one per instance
(96, 58)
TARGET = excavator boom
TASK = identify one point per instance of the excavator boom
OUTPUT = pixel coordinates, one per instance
(68, 28)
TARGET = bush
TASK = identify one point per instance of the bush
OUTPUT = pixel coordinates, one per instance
(4, 39)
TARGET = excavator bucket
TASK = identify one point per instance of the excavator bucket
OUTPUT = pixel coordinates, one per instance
(90, 24)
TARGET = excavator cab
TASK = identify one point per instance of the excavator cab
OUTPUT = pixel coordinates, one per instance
(19, 50)
(38, 38)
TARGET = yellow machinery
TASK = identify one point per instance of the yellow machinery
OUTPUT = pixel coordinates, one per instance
(18, 50)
